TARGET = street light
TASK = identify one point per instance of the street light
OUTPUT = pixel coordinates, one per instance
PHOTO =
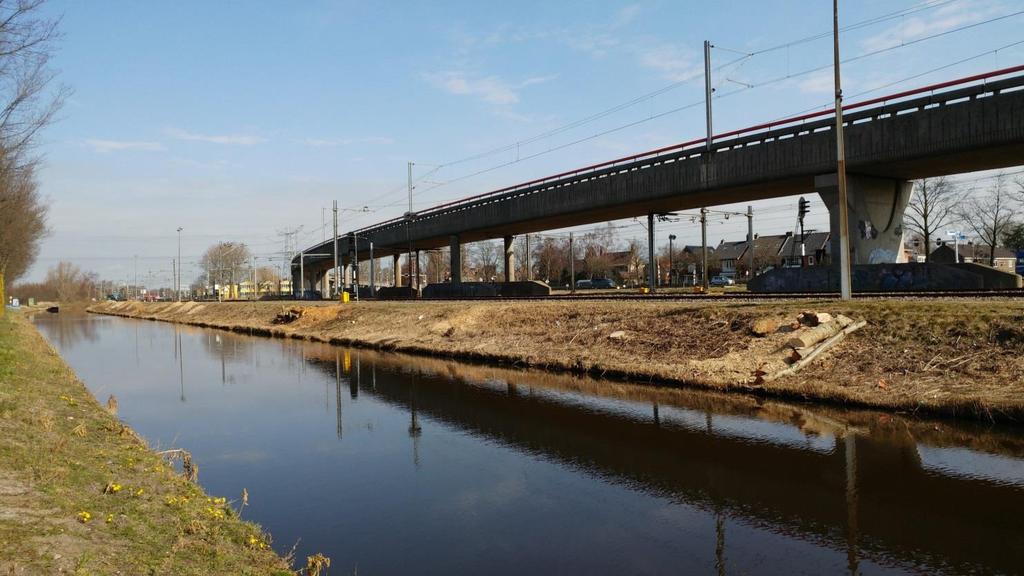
(671, 238)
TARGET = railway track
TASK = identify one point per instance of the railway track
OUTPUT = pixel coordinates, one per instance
(729, 296)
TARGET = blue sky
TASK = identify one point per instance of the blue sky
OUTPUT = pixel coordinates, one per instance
(236, 120)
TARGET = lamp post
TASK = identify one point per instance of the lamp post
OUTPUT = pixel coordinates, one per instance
(671, 238)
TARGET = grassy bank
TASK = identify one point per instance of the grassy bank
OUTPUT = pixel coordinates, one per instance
(80, 493)
(955, 357)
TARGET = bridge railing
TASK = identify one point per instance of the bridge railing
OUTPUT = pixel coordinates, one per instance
(891, 104)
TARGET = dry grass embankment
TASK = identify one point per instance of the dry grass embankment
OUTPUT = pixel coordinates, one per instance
(956, 357)
(80, 493)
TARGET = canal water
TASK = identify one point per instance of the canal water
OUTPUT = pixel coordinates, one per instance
(393, 464)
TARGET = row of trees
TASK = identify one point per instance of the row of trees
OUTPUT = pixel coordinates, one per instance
(28, 102)
(230, 263)
(65, 283)
(991, 215)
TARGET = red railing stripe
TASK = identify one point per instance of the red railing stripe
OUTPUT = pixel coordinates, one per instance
(684, 145)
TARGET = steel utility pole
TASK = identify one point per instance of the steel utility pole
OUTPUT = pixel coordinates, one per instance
(136, 277)
(708, 89)
(335, 292)
(355, 265)
(652, 275)
(750, 242)
(845, 283)
(529, 273)
(572, 266)
(704, 248)
(177, 273)
(671, 238)
(408, 218)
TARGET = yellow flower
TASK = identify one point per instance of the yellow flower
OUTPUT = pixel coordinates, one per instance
(110, 518)
(115, 487)
(84, 516)
(138, 492)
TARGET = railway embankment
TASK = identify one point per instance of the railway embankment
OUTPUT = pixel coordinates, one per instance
(956, 357)
(81, 493)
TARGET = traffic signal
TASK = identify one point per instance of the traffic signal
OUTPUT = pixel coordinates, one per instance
(804, 208)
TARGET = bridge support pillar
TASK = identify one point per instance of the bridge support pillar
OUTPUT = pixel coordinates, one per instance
(396, 267)
(416, 271)
(875, 212)
(455, 258)
(510, 259)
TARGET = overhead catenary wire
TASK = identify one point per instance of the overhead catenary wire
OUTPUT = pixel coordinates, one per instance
(514, 146)
(731, 93)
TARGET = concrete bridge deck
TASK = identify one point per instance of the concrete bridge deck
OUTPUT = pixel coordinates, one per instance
(965, 125)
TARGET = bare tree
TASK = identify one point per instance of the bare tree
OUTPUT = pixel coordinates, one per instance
(65, 283)
(26, 106)
(551, 257)
(931, 208)
(22, 224)
(267, 274)
(436, 268)
(989, 216)
(485, 256)
(225, 263)
(596, 247)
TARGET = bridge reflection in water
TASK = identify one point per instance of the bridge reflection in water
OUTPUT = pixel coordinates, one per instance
(825, 475)
(388, 462)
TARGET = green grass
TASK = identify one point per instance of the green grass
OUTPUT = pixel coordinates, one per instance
(60, 451)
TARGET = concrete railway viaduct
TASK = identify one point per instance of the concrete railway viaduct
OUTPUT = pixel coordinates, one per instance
(964, 125)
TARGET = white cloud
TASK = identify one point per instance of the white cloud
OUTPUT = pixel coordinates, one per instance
(227, 139)
(674, 63)
(822, 81)
(105, 146)
(626, 15)
(490, 89)
(943, 19)
(336, 142)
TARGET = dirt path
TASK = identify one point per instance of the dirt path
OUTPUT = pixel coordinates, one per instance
(956, 357)
(80, 493)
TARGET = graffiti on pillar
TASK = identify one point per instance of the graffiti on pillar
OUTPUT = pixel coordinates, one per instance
(882, 256)
(867, 230)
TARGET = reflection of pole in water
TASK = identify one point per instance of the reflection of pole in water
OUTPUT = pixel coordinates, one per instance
(415, 430)
(337, 391)
(719, 542)
(136, 344)
(850, 453)
(353, 383)
(373, 376)
(181, 366)
(657, 417)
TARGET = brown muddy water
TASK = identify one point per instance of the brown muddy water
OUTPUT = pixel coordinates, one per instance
(393, 464)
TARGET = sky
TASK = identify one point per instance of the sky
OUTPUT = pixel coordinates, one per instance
(239, 121)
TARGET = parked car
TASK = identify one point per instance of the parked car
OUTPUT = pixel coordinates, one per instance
(722, 281)
(603, 283)
(584, 284)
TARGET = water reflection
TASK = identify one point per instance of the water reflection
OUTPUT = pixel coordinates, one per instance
(537, 472)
